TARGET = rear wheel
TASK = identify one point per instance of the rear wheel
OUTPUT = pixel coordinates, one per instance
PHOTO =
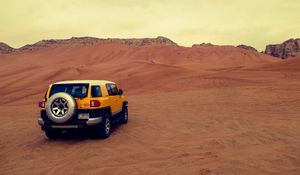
(103, 129)
(52, 133)
(124, 118)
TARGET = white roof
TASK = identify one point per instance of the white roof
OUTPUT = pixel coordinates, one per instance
(96, 82)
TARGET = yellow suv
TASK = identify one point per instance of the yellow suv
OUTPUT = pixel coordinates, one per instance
(80, 104)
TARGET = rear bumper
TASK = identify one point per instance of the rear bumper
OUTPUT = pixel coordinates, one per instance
(74, 124)
(41, 122)
(95, 117)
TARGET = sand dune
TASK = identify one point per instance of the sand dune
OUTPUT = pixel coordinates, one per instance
(143, 65)
(197, 110)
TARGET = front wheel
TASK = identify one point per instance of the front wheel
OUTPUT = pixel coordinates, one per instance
(124, 118)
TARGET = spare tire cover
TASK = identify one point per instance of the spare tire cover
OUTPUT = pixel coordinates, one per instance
(60, 107)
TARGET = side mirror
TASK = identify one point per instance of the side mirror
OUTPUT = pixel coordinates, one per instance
(120, 92)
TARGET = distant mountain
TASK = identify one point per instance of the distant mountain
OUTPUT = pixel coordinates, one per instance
(289, 48)
(242, 46)
(202, 44)
(4, 48)
(92, 40)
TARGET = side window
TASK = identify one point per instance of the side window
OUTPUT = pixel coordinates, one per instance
(114, 89)
(108, 89)
(96, 91)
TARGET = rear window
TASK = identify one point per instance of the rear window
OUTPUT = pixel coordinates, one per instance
(78, 90)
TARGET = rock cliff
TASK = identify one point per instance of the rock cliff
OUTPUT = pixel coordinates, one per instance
(289, 48)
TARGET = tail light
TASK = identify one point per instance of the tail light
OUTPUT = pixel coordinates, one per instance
(41, 104)
(95, 103)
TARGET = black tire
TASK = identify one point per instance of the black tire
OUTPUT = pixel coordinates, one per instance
(124, 118)
(52, 133)
(102, 130)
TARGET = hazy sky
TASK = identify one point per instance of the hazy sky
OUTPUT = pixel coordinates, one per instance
(252, 22)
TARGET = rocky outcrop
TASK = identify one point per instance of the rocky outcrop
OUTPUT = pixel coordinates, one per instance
(242, 46)
(4, 48)
(202, 44)
(92, 40)
(289, 48)
(145, 41)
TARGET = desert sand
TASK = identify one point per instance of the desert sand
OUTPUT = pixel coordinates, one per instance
(192, 110)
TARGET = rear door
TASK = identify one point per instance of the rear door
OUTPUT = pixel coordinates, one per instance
(79, 91)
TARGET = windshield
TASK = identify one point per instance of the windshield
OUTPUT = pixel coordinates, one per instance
(78, 90)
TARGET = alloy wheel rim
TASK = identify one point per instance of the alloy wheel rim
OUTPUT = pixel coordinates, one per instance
(126, 114)
(107, 126)
(59, 107)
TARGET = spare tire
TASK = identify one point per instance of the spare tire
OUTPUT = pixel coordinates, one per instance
(61, 107)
